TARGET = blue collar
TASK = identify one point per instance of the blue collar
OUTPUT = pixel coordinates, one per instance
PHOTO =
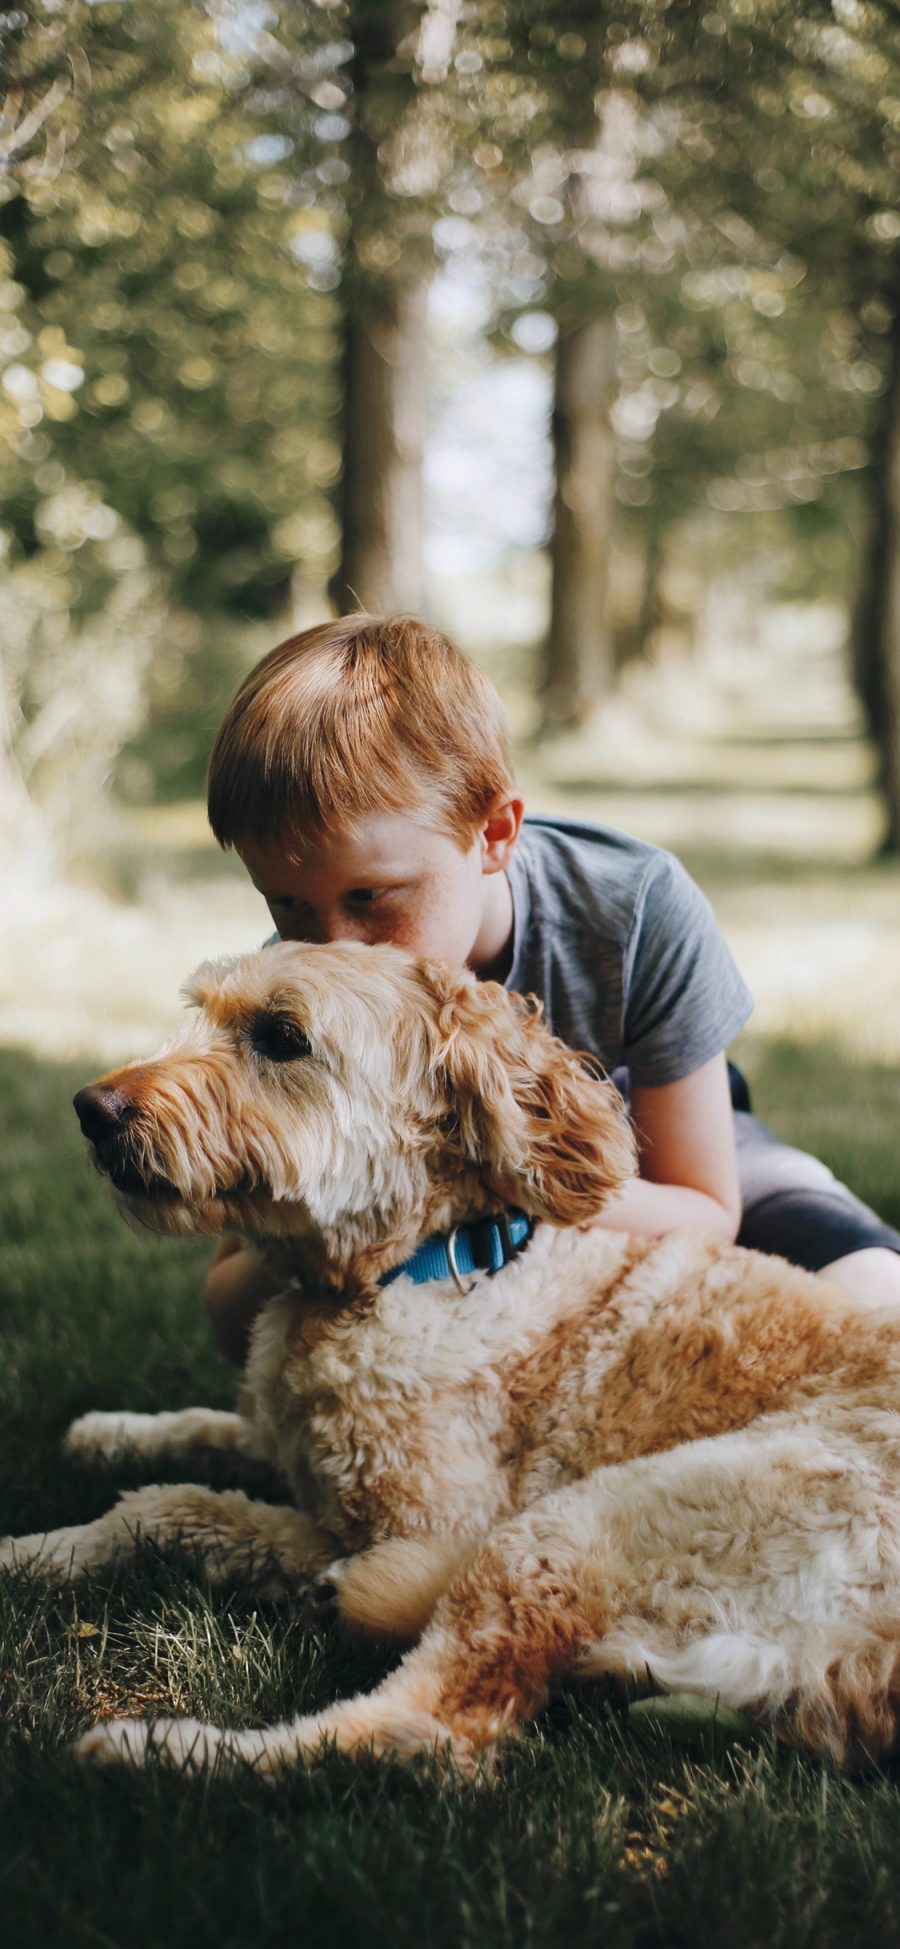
(484, 1245)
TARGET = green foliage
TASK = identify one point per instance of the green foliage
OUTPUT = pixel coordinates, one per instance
(173, 370)
(218, 193)
(199, 200)
(725, 183)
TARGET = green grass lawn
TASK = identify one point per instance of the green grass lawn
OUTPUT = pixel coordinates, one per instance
(596, 1831)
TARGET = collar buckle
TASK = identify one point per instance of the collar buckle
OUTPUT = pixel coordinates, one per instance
(453, 1262)
(484, 1245)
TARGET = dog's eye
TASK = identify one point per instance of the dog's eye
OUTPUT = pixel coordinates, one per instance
(279, 1040)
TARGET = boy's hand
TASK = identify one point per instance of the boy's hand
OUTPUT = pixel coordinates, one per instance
(236, 1287)
(649, 1210)
(688, 1178)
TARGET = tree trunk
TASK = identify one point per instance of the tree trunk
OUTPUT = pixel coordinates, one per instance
(380, 496)
(634, 598)
(876, 624)
(384, 288)
(26, 846)
(579, 655)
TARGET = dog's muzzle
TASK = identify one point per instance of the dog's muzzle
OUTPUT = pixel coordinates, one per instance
(104, 1115)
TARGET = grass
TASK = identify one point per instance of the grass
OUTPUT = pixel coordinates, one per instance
(596, 1831)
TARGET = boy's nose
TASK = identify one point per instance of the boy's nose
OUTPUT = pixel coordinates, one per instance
(323, 930)
(337, 927)
(341, 930)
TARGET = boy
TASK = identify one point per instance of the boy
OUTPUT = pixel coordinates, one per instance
(363, 775)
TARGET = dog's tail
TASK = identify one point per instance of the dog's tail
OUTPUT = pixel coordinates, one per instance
(392, 1588)
(835, 1692)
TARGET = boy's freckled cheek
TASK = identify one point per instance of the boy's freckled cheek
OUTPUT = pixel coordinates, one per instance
(404, 930)
(438, 912)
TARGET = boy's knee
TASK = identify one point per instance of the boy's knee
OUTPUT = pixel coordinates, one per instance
(871, 1275)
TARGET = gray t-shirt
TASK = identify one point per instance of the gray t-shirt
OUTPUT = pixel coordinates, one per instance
(623, 950)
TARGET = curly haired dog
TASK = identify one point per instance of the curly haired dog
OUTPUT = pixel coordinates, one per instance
(610, 1455)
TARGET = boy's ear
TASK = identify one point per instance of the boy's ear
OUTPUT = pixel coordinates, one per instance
(500, 832)
(530, 1116)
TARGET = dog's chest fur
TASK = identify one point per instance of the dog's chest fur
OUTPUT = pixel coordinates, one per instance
(395, 1415)
(429, 1409)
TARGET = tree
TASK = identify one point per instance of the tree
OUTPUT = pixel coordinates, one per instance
(771, 133)
(812, 99)
(173, 371)
(579, 658)
(383, 298)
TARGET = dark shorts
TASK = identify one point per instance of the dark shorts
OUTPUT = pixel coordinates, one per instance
(793, 1205)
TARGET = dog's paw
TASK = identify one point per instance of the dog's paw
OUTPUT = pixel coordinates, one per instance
(50, 1556)
(15, 1553)
(118, 1742)
(106, 1437)
(185, 1745)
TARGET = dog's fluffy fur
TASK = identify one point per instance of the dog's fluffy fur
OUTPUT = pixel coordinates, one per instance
(662, 1458)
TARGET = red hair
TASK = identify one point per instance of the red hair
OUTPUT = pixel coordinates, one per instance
(361, 715)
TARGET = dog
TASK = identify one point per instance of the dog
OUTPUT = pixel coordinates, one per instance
(530, 1448)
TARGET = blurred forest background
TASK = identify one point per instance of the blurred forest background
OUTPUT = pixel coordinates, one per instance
(575, 327)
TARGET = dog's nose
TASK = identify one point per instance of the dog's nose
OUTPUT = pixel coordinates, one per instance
(101, 1111)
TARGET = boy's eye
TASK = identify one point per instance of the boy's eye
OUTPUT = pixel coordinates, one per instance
(360, 896)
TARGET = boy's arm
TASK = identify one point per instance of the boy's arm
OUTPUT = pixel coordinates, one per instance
(236, 1287)
(688, 1163)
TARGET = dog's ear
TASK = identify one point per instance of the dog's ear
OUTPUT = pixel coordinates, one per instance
(556, 1138)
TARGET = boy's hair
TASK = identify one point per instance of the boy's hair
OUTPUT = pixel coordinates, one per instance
(361, 715)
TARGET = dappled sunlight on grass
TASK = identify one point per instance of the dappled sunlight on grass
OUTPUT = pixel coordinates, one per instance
(752, 770)
(820, 965)
(755, 773)
(83, 970)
